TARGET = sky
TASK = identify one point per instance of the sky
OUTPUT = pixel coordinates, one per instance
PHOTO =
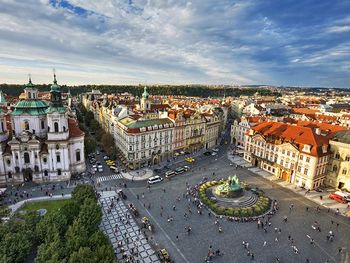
(274, 42)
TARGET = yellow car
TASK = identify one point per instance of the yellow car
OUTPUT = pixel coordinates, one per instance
(190, 159)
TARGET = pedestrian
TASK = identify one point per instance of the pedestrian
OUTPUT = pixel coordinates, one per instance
(289, 237)
(276, 239)
(252, 256)
(265, 243)
(340, 249)
(177, 238)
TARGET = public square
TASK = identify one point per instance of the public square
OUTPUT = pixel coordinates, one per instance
(158, 204)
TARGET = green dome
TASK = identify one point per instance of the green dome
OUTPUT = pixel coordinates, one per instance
(31, 107)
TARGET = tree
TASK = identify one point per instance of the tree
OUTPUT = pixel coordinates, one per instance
(56, 221)
(99, 134)
(83, 255)
(70, 210)
(107, 141)
(52, 250)
(90, 215)
(15, 247)
(76, 237)
(89, 144)
(82, 192)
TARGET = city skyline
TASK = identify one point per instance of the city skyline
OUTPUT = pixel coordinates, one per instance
(176, 42)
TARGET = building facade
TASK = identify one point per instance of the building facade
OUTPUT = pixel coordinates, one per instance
(295, 154)
(44, 144)
(339, 167)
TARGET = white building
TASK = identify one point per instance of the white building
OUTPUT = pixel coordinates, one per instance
(45, 144)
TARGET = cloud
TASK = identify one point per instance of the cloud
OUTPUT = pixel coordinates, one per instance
(170, 41)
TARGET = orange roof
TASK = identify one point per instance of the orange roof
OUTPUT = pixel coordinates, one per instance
(304, 111)
(303, 133)
(74, 130)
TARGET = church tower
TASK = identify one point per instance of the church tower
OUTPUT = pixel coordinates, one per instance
(57, 119)
(145, 102)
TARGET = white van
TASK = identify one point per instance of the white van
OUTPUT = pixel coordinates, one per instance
(155, 179)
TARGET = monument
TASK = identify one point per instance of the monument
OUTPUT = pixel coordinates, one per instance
(230, 188)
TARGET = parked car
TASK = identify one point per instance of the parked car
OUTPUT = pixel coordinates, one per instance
(214, 153)
(344, 195)
(105, 157)
(179, 170)
(338, 198)
(190, 159)
(154, 179)
(215, 150)
(186, 168)
(169, 173)
(207, 153)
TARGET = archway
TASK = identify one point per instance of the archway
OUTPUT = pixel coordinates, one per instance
(28, 175)
(284, 176)
(256, 163)
(155, 160)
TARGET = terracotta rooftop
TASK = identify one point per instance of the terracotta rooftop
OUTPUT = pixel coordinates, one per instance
(74, 130)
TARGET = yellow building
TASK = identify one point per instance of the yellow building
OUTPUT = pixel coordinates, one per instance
(339, 174)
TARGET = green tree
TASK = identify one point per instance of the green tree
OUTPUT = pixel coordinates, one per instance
(55, 221)
(82, 192)
(70, 210)
(90, 215)
(108, 145)
(76, 237)
(15, 247)
(52, 250)
(89, 144)
(83, 255)
(99, 134)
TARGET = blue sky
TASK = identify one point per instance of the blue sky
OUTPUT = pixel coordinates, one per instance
(289, 42)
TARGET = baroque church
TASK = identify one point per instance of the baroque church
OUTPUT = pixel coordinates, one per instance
(40, 140)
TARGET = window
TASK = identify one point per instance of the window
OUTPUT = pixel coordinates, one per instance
(26, 157)
(335, 168)
(337, 156)
(42, 124)
(8, 162)
(58, 158)
(56, 126)
(59, 172)
(46, 173)
(2, 127)
(44, 159)
(347, 158)
(9, 175)
(77, 156)
(305, 171)
(307, 159)
(299, 169)
(301, 157)
(26, 125)
(57, 146)
(344, 172)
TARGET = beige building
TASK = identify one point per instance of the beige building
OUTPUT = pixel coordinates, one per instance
(295, 154)
(339, 168)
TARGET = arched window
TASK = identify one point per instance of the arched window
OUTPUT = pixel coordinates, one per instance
(46, 173)
(77, 156)
(26, 158)
(26, 125)
(344, 172)
(42, 124)
(9, 175)
(337, 156)
(347, 158)
(59, 172)
(335, 168)
(56, 126)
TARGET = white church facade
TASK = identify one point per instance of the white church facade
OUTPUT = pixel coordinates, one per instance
(40, 140)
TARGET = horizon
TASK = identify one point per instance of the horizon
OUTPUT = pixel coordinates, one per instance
(304, 44)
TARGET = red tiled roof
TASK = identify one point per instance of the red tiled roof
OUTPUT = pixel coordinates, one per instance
(304, 133)
(74, 130)
(304, 111)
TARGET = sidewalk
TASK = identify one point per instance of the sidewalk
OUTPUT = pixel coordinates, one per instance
(139, 175)
(313, 195)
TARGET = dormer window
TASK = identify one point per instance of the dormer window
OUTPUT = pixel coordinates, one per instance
(324, 148)
(306, 148)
